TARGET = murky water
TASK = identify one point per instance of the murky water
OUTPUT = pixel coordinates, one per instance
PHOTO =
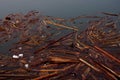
(59, 8)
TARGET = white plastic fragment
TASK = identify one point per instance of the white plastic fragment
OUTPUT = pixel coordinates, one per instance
(15, 56)
(20, 55)
(26, 65)
(20, 48)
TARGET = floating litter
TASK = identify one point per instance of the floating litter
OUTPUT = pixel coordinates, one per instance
(15, 56)
(20, 55)
(26, 65)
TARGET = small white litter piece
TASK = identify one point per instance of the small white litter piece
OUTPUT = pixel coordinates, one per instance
(20, 55)
(15, 56)
(20, 48)
(26, 65)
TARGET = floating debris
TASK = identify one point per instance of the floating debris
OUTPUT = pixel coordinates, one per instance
(15, 56)
(26, 65)
(20, 55)
(52, 48)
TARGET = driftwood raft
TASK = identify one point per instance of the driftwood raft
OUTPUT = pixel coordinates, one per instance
(50, 48)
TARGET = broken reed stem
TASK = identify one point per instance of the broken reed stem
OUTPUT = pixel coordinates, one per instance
(44, 47)
(108, 69)
(63, 26)
(46, 76)
(107, 54)
(54, 73)
(57, 70)
(104, 70)
(50, 70)
(88, 64)
(18, 76)
(110, 14)
(65, 51)
(62, 60)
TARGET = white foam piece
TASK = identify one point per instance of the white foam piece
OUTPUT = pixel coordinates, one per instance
(26, 65)
(20, 55)
(15, 56)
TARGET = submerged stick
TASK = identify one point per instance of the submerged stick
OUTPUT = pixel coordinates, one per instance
(55, 70)
(110, 14)
(18, 75)
(107, 54)
(106, 71)
(40, 49)
(55, 73)
(46, 76)
(62, 59)
(110, 70)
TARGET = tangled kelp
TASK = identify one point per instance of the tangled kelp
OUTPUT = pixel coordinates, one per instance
(49, 48)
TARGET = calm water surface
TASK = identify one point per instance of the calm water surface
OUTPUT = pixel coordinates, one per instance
(59, 8)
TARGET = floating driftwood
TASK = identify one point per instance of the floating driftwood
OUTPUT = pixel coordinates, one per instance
(51, 48)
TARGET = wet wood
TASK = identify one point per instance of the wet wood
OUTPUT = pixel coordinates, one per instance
(50, 48)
